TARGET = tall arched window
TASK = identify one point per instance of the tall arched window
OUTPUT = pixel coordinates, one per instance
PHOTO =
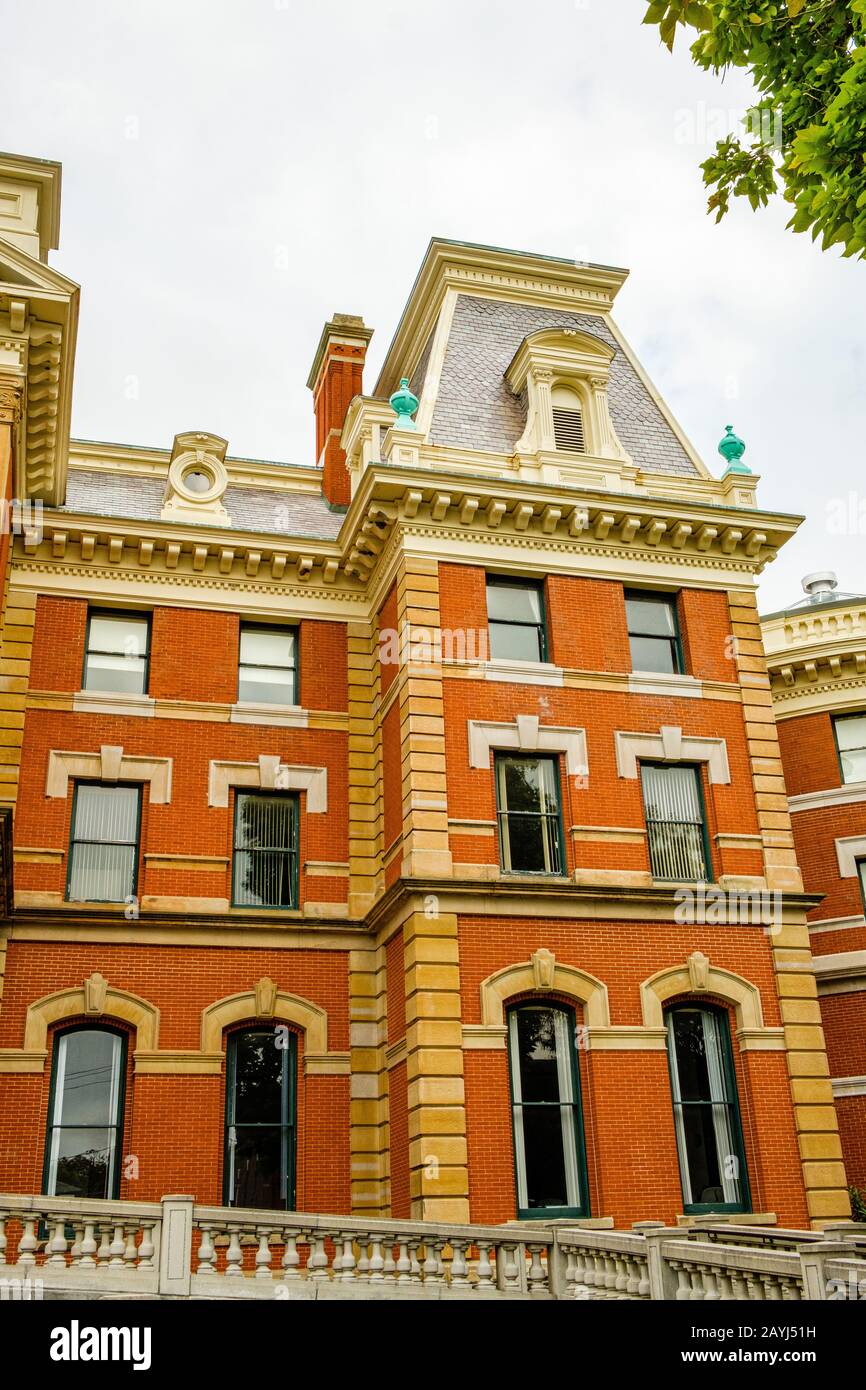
(260, 1133)
(706, 1109)
(85, 1114)
(549, 1151)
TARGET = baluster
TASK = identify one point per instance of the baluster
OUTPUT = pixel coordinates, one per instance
(621, 1285)
(28, 1243)
(710, 1285)
(88, 1246)
(459, 1268)
(390, 1267)
(77, 1238)
(510, 1272)
(291, 1257)
(56, 1248)
(317, 1264)
(684, 1283)
(644, 1284)
(234, 1255)
(347, 1264)
(377, 1263)
(771, 1286)
(263, 1254)
(430, 1268)
(415, 1270)
(632, 1281)
(790, 1288)
(117, 1247)
(726, 1291)
(206, 1251)
(147, 1248)
(364, 1258)
(484, 1269)
(103, 1254)
(739, 1287)
(130, 1254)
(537, 1276)
(755, 1287)
(404, 1264)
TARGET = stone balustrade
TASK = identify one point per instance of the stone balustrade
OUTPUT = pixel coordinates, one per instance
(54, 1247)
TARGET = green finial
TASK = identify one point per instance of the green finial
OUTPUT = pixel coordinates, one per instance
(732, 449)
(404, 404)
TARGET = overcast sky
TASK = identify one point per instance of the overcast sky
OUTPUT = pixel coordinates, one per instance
(234, 171)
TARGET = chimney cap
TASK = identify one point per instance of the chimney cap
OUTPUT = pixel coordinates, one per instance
(347, 328)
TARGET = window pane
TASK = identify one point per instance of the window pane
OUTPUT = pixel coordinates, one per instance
(851, 733)
(536, 1044)
(265, 822)
(545, 1159)
(671, 793)
(267, 647)
(115, 673)
(106, 813)
(87, 1078)
(123, 635)
(513, 642)
(704, 1108)
(674, 823)
(529, 785)
(854, 766)
(102, 873)
(81, 1162)
(694, 1078)
(266, 685)
(514, 603)
(258, 1168)
(651, 616)
(653, 654)
(258, 1097)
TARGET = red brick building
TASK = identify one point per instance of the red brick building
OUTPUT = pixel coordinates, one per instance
(408, 834)
(817, 656)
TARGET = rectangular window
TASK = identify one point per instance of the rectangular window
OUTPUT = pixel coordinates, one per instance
(103, 847)
(653, 632)
(265, 867)
(268, 672)
(530, 830)
(260, 1120)
(117, 651)
(706, 1111)
(550, 1160)
(515, 618)
(850, 730)
(673, 802)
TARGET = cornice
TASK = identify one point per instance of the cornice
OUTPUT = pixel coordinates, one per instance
(491, 271)
(137, 461)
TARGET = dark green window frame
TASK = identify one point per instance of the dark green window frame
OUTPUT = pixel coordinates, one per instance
(732, 1101)
(120, 1109)
(554, 819)
(291, 852)
(842, 719)
(288, 1122)
(861, 874)
(119, 615)
(655, 848)
(574, 1104)
(536, 586)
(671, 642)
(271, 629)
(135, 844)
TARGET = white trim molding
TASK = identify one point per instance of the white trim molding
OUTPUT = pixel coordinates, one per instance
(847, 795)
(670, 745)
(113, 702)
(848, 1086)
(280, 716)
(110, 764)
(697, 976)
(849, 849)
(523, 672)
(528, 735)
(840, 972)
(665, 683)
(268, 774)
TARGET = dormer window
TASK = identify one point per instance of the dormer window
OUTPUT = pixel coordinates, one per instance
(562, 374)
(567, 420)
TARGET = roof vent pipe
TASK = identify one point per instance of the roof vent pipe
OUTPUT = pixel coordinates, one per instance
(820, 585)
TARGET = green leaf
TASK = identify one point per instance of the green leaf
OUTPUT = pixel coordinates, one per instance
(794, 7)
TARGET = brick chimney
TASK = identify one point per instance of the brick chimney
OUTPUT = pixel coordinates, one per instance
(335, 377)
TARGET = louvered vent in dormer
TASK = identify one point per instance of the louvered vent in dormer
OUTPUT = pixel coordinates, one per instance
(568, 429)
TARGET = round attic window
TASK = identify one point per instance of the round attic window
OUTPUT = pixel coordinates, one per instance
(198, 482)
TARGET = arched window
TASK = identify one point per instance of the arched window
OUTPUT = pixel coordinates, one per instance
(706, 1109)
(549, 1151)
(85, 1114)
(260, 1126)
(567, 420)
